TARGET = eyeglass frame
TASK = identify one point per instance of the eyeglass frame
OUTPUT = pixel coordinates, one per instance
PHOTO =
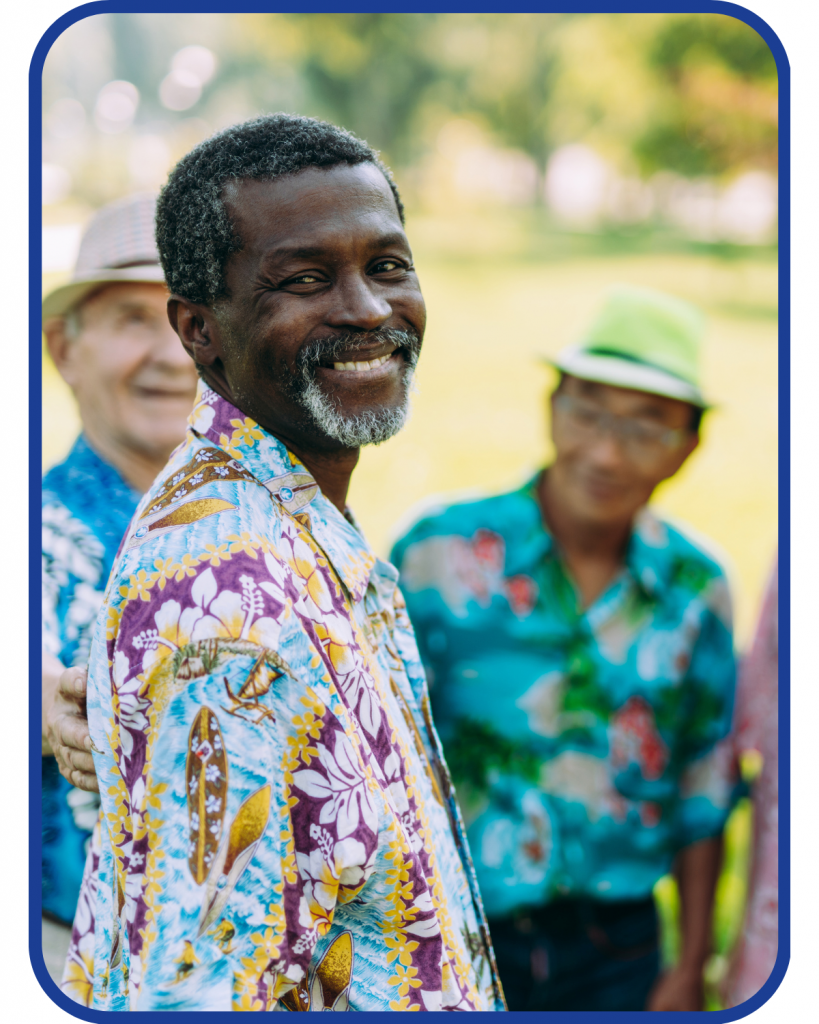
(669, 438)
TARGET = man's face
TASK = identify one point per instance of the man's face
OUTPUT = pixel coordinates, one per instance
(605, 476)
(324, 320)
(133, 380)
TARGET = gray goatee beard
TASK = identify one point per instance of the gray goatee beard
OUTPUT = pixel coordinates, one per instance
(372, 426)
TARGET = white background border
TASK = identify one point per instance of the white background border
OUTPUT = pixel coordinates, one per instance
(796, 22)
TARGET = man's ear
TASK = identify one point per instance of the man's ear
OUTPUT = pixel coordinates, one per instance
(196, 329)
(687, 448)
(60, 348)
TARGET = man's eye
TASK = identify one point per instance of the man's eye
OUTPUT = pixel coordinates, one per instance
(386, 266)
(303, 279)
(586, 415)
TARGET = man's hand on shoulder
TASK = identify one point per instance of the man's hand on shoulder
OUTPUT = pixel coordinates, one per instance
(681, 988)
(67, 730)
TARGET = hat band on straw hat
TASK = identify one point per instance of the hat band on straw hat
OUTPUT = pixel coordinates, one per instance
(627, 373)
(64, 298)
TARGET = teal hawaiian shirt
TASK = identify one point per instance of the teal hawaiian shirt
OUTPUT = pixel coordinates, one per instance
(586, 746)
(278, 828)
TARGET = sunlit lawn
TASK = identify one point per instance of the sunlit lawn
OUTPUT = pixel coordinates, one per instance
(496, 304)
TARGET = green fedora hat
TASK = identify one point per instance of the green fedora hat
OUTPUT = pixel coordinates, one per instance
(642, 339)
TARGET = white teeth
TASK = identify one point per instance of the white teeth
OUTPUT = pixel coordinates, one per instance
(370, 365)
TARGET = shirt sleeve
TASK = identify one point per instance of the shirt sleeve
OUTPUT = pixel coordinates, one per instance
(422, 605)
(217, 766)
(51, 627)
(72, 567)
(709, 778)
(757, 691)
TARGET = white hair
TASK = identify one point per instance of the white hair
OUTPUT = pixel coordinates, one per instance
(353, 431)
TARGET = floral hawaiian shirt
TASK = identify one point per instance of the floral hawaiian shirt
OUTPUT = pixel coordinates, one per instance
(278, 826)
(86, 510)
(587, 746)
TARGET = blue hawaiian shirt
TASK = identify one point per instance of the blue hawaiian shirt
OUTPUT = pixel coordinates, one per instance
(86, 509)
(586, 746)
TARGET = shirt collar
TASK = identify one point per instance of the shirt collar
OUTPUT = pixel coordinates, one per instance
(646, 558)
(83, 460)
(292, 485)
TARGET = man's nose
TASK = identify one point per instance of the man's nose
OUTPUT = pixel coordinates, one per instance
(358, 303)
(606, 450)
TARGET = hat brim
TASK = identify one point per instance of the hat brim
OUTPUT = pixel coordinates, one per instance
(59, 301)
(627, 373)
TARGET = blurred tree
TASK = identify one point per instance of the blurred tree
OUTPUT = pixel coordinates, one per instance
(394, 78)
(694, 94)
(365, 71)
(502, 68)
(720, 111)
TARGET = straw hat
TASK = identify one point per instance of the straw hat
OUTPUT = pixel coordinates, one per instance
(118, 245)
(642, 339)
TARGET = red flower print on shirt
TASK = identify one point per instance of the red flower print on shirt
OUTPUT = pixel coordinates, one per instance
(634, 740)
(489, 550)
(521, 592)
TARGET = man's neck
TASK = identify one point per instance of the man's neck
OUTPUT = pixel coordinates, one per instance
(594, 552)
(135, 467)
(332, 471)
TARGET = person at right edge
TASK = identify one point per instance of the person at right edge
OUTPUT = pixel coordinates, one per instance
(580, 660)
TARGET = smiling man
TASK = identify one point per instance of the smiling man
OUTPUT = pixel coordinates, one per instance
(581, 670)
(108, 334)
(278, 827)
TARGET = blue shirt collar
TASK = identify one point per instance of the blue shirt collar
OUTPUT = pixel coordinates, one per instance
(647, 555)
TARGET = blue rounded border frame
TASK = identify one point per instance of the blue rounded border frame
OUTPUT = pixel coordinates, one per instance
(35, 461)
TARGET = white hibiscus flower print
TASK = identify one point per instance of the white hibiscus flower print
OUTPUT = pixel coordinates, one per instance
(349, 803)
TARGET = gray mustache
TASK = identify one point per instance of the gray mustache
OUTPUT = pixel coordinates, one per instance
(327, 349)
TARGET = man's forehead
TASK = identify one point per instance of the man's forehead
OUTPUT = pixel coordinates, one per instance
(299, 206)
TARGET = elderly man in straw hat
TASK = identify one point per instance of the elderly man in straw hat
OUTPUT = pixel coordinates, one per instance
(580, 661)
(108, 334)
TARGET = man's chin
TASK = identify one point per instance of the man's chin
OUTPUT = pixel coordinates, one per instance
(353, 425)
(156, 445)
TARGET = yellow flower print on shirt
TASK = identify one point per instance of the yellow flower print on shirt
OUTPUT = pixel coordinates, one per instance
(336, 638)
(245, 432)
(78, 980)
(306, 563)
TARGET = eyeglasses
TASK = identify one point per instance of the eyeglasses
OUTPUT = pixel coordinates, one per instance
(642, 441)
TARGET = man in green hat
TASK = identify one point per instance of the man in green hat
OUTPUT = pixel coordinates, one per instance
(580, 660)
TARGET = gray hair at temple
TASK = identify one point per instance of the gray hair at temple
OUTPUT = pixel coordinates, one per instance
(194, 233)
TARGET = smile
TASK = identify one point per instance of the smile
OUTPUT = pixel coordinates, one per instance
(161, 393)
(360, 367)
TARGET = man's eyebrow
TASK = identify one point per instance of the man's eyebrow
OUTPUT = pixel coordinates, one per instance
(133, 306)
(310, 252)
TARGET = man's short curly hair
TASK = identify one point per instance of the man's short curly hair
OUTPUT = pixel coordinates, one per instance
(194, 233)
